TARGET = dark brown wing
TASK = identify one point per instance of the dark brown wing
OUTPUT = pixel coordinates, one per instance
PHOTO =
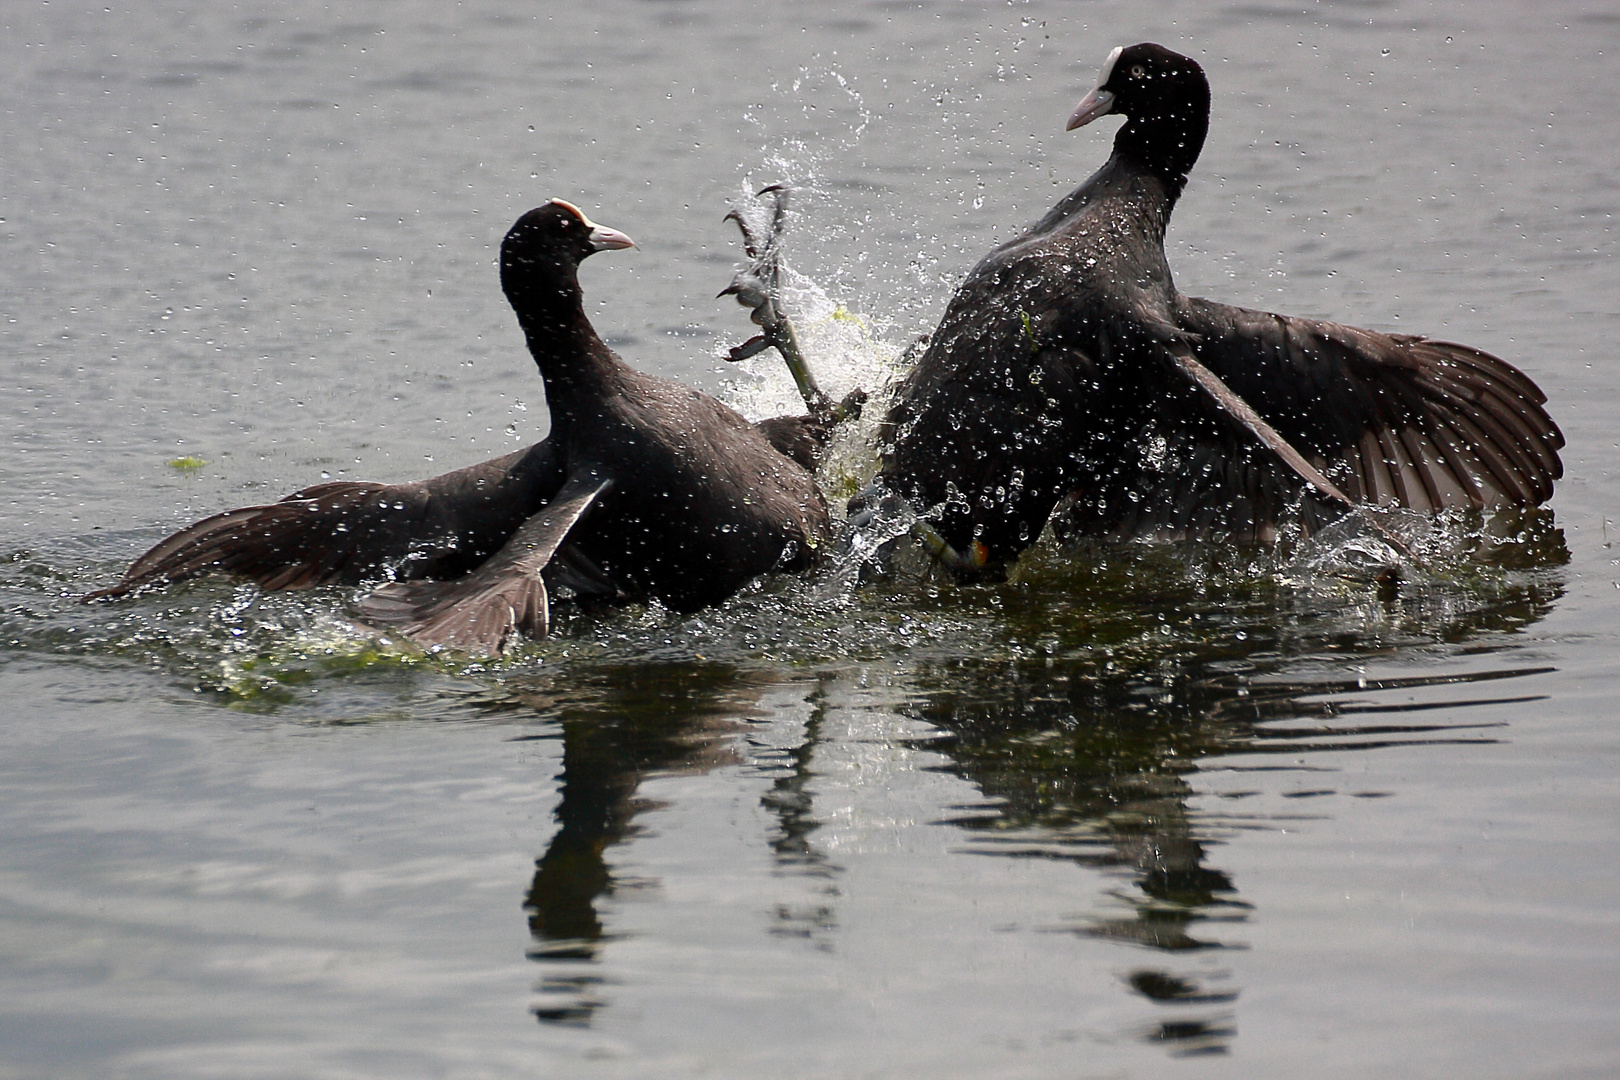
(1397, 419)
(1394, 420)
(478, 613)
(348, 531)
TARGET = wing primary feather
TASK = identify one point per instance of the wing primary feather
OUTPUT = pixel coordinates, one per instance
(1423, 467)
(1461, 463)
(1377, 484)
(1395, 466)
(1494, 473)
(1241, 411)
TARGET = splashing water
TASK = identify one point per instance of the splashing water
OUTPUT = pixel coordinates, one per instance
(845, 349)
(888, 521)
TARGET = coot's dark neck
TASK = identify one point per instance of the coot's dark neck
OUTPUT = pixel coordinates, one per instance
(575, 363)
(1133, 190)
(1167, 140)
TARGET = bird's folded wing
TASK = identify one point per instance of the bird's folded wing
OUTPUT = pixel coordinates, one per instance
(478, 613)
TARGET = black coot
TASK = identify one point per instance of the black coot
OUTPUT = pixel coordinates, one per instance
(643, 489)
(1068, 372)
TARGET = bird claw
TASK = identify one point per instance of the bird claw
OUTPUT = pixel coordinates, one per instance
(751, 244)
(752, 293)
(757, 286)
(749, 349)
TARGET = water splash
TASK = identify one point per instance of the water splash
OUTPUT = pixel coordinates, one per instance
(1354, 547)
(864, 544)
(845, 349)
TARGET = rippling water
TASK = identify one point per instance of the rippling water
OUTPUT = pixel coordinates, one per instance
(1137, 811)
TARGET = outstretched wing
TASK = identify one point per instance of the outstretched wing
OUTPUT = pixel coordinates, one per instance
(1392, 419)
(478, 613)
(1398, 419)
(347, 531)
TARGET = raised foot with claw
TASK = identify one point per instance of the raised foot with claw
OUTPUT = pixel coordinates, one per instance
(757, 286)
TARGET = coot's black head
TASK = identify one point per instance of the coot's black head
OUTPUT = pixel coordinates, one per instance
(542, 252)
(1164, 98)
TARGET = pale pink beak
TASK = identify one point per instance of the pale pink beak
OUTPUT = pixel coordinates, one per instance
(1095, 104)
(605, 239)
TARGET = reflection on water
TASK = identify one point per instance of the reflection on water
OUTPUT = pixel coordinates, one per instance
(1123, 709)
(1100, 770)
(792, 801)
(619, 723)
(1118, 681)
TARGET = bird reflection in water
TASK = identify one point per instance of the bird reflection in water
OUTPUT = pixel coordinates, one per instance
(1136, 697)
(620, 724)
(1102, 752)
(792, 801)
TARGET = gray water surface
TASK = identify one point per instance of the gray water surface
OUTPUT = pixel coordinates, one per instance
(1138, 812)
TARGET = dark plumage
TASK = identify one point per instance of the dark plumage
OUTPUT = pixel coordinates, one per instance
(1068, 369)
(644, 489)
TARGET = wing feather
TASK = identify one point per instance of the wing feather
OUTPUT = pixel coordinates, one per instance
(347, 531)
(1420, 423)
(478, 614)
